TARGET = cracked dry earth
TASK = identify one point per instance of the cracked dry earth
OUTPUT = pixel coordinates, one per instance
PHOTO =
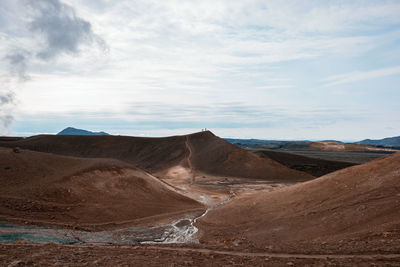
(19, 254)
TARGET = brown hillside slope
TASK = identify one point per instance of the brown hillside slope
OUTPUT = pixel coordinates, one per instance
(50, 189)
(209, 154)
(356, 202)
(216, 156)
(147, 153)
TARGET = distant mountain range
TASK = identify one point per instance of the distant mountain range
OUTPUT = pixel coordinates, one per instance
(392, 142)
(74, 131)
(269, 144)
(387, 142)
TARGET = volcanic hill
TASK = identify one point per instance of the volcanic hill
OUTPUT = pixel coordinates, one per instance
(201, 152)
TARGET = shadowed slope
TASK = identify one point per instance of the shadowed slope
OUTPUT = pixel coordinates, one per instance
(211, 154)
(148, 153)
(357, 202)
(51, 189)
(313, 166)
(216, 156)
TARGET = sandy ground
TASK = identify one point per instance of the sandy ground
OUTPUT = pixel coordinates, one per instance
(212, 190)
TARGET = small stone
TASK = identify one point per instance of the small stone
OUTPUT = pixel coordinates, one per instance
(16, 263)
(361, 208)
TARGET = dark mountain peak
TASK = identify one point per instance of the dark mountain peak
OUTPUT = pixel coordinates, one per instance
(389, 141)
(74, 131)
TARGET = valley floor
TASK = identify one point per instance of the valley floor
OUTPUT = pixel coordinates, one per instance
(21, 254)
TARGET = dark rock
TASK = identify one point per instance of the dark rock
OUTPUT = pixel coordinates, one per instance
(182, 223)
(361, 208)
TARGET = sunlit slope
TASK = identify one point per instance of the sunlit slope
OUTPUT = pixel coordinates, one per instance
(357, 201)
(51, 189)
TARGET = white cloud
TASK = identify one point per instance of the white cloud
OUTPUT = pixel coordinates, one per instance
(360, 76)
(203, 53)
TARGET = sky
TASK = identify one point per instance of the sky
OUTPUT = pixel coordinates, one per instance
(286, 70)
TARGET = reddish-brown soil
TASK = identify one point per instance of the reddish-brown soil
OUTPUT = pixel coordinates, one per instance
(47, 189)
(346, 218)
(315, 167)
(77, 255)
(359, 204)
(147, 153)
(210, 154)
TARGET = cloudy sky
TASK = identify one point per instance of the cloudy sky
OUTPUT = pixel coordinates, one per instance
(245, 69)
